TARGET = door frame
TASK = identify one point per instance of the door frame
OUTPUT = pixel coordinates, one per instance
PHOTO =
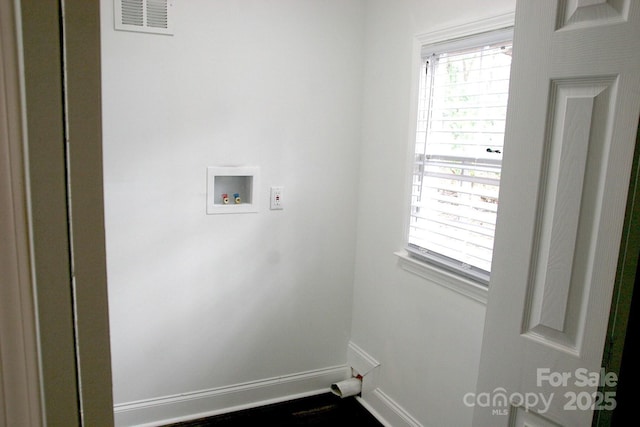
(617, 345)
(58, 43)
(19, 374)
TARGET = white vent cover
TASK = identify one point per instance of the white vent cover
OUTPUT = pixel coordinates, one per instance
(147, 16)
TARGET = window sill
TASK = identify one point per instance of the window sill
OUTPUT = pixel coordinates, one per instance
(441, 277)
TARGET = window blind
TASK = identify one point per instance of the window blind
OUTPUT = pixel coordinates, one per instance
(458, 156)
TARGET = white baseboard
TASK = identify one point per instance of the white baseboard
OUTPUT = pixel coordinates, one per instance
(386, 410)
(186, 406)
(360, 360)
(365, 365)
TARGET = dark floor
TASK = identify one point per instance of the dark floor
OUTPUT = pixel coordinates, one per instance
(322, 410)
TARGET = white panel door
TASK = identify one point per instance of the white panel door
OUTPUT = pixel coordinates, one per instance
(571, 127)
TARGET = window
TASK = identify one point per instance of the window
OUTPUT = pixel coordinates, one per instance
(462, 108)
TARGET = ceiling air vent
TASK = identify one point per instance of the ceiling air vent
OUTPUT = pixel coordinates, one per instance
(146, 16)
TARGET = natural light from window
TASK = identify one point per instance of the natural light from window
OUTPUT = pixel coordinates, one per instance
(458, 156)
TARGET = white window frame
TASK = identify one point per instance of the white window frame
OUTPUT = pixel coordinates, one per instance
(449, 39)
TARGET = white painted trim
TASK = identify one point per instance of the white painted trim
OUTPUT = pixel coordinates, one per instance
(467, 29)
(20, 399)
(362, 363)
(360, 360)
(444, 278)
(386, 410)
(204, 403)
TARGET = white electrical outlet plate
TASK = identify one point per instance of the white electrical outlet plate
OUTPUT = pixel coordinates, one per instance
(276, 198)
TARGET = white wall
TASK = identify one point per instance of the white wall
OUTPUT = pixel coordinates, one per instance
(199, 302)
(427, 338)
(202, 301)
